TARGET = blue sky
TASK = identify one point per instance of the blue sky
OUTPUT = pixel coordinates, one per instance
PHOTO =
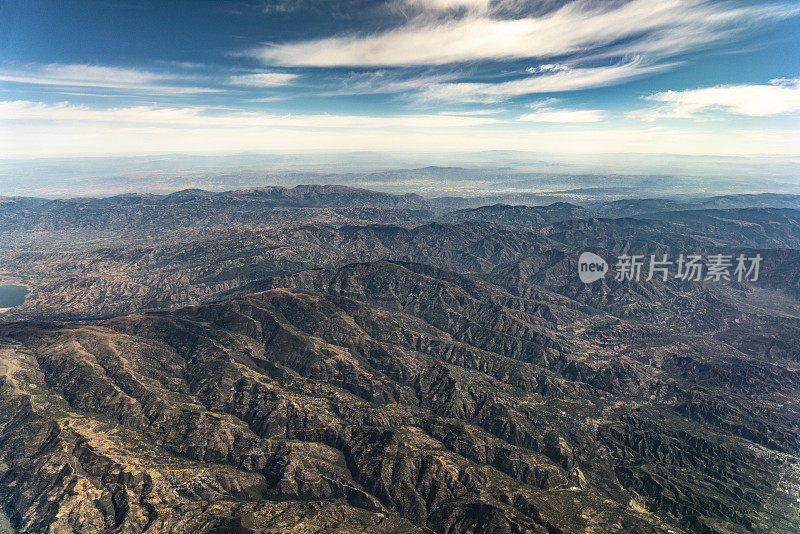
(641, 76)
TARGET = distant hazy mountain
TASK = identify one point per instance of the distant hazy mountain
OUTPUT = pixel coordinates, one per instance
(132, 217)
(520, 215)
(632, 207)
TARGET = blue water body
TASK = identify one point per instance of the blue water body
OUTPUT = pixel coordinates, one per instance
(11, 295)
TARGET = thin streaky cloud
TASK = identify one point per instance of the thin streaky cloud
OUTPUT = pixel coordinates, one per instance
(263, 79)
(543, 103)
(578, 27)
(564, 116)
(194, 116)
(387, 82)
(116, 78)
(556, 81)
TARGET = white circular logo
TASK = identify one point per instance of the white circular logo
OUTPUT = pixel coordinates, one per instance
(591, 267)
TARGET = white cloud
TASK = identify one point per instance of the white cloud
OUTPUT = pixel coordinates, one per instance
(386, 82)
(549, 67)
(79, 75)
(778, 97)
(552, 81)
(544, 103)
(263, 79)
(202, 117)
(660, 27)
(543, 111)
(564, 116)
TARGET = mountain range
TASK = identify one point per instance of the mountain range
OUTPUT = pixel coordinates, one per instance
(332, 359)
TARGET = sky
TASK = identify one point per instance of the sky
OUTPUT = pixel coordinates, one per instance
(695, 77)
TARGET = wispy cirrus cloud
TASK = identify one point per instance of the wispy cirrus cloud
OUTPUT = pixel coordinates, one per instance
(579, 27)
(436, 85)
(778, 97)
(205, 117)
(98, 76)
(567, 79)
(579, 45)
(385, 81)
(263, 79)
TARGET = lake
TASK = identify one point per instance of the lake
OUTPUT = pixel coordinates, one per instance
(11, 295)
